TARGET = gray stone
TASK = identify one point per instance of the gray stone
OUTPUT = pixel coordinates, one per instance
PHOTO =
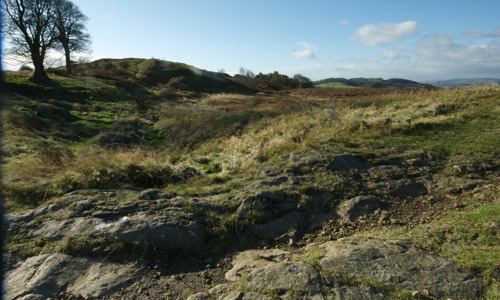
(400, 188)
(274, 254)
(48, 274)
(385, 171)
(199, 296)
(293, 297)
(236, 295)
(357, 207)
(355, 293)
(399, 264)
(287, 276)
(245, 262)
(277, 227)
(441, 182)
(161, 231)
(151, 194)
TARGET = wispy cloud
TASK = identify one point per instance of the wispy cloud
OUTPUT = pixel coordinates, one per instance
(307, 52)
(307, 45)
(477, 33)
(345, 22)
(385, 33)
(433, 57)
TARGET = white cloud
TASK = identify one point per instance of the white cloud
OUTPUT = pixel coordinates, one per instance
(385, 33)
(434, 57)
(345, 22)
(477, 33)
(393, 53)
(307, 52)
(307, 45)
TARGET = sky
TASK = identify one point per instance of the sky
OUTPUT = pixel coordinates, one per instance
(417, 40)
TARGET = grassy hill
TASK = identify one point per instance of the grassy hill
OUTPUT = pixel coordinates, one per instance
(393, 83)
(464, 82)
(136, 124)
(334, 84)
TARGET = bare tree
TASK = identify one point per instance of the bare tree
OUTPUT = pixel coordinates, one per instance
(29, 26)
(70, 30)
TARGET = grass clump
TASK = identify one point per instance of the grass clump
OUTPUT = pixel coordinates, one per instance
(313, 257)
(336, 278)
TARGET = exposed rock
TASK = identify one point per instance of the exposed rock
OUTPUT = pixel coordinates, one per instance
(236, 295)
(199, 296)
(441, 182)
(244, 263)
(400, 188)
(357, 207)
(160, 231)
(399, 264)
(345, 163)
(386, 171)
(151, 194)
(277, 227)
(45, 275)
(355, 293)
(274, 254)
(286, 276)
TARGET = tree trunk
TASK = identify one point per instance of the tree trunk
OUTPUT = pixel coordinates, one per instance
(39, 75)
(67, 53)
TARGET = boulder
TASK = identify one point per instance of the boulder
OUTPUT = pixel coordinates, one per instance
(399, 264)
(357, 207)
(160, 231)
(277, 227)
(45, 275)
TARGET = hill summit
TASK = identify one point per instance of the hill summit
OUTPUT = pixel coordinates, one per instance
(393, 83)
(160, 74)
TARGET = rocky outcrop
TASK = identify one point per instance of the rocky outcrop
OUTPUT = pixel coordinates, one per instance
(306, 192)
(171, 228)
(350, 268)
(42, 276)
(400, 265)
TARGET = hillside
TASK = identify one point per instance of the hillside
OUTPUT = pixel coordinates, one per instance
(159, 75)
(464, 82)
(145, 179)
(393, 83)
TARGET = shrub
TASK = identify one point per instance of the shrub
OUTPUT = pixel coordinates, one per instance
(25, 68)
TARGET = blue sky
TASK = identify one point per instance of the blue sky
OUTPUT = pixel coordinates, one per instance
(419, 40)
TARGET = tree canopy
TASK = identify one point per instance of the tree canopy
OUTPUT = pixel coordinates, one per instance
(33, 27)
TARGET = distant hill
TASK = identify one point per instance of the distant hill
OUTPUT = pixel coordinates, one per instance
(393, 83)
(161, 74)
(463, 81)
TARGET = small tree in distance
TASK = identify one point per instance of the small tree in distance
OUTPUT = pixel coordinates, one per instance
(70, 32)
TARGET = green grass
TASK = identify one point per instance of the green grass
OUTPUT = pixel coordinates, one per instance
(334, 85)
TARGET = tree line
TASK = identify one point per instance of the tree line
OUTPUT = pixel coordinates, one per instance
(272, 81)
(33, 27)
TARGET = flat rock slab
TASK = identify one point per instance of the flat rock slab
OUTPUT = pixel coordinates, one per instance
(401, 265)
(286, 276)
(44, 275)
(160, 231)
